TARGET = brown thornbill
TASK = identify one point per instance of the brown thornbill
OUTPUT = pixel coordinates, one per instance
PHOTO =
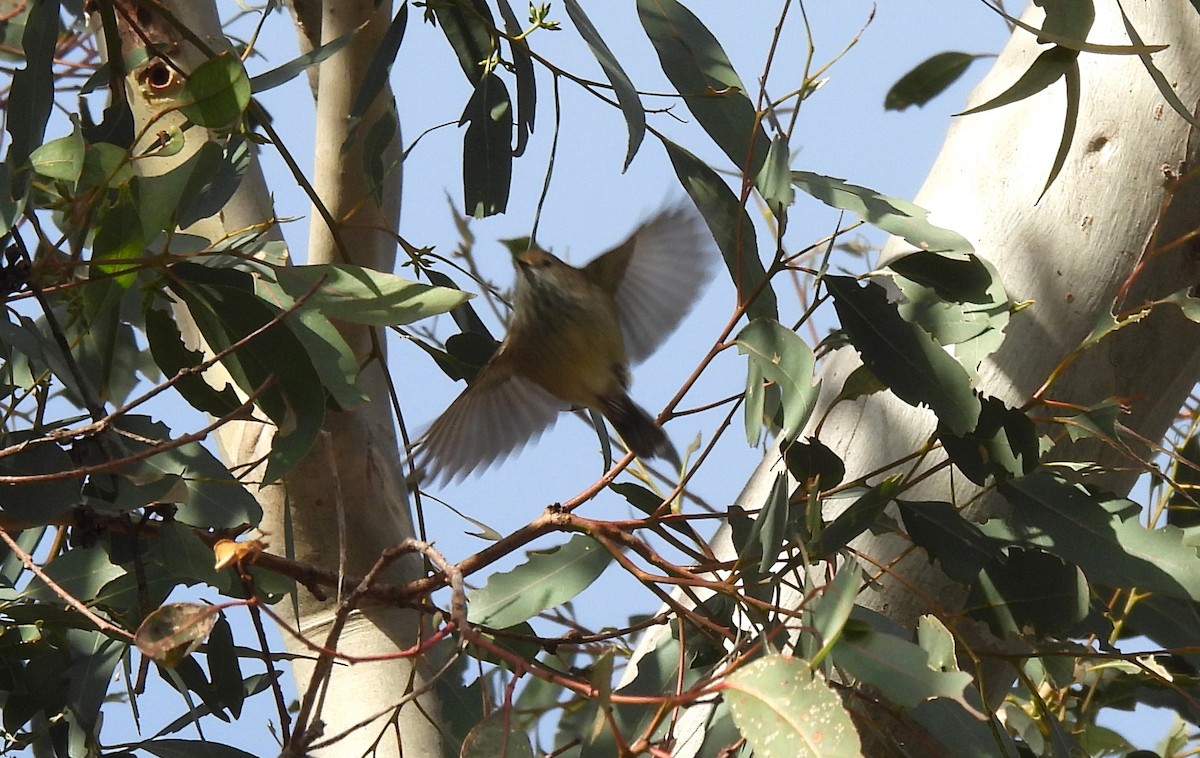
(571, 338)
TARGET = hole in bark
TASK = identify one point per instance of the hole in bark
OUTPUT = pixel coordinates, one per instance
(144, 17)
(158, 75)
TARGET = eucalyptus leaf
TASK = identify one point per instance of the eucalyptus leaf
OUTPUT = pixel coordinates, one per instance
(779, 355)
(785, 711)
(364, 296)
(487, 148)
(731, 228)
(216, 93)
(547, 579)
(627, 95)
(903, 356)
(700, 71)
(928, 79)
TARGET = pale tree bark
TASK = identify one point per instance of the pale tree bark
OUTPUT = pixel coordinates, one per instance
(347, 502)
(1069, 253)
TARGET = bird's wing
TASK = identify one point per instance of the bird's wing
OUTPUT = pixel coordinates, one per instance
(493, 418)
(656, 276)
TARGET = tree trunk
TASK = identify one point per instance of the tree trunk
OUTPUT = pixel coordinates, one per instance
(347, 502)
(1069, 254)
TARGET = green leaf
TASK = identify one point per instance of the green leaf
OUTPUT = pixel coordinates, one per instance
(81, 571)
(159, 199)
(522, 63)
(216, 94)
(208, 494)
(37, 502)
(296, 66)
(1182, 508)
(94, 656)
(627, 96)
(1072, 19)
(860, 383)
(731, 228)
(1102, 536)
(766, 536)
(903, 356)
(832, 609)
(467, 25)
(332, 359)
(376, 76)
(958, 301)
(775, 181)
(927, 80)
(1047, 69)
(1160, 79)
(778, 355)
(274, 363)
(898, 669)
(958, 544)
(105, 166)
(962, 733)
(697, 66)
(365, 296)
(548, 579)
(1004, 444)
(172, 356)
(856, 519)
(61, 158)
(118, 246)
(487, 148)
(31, 94)
(891, 214)
(784, 711)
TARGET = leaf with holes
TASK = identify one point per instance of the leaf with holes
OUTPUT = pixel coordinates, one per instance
(784, 711)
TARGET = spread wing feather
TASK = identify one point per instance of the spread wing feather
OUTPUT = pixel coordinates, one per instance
(488, 422)
(670, 261)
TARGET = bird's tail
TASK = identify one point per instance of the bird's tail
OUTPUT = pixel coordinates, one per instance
(638, 430)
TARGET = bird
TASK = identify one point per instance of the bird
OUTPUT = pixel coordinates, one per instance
(573, 332)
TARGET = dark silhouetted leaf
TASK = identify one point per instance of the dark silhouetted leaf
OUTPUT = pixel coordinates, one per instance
(927, 80)
(811, 460)
(467, 25)
(526, 80)
(958, 544)
(731, 228)
(627, 96)
(487, 148)
(856, 519)
(1003, 444)
(31, 94)
(1101, 535)
(1029, 589)
(697, 66)
(903, 356)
